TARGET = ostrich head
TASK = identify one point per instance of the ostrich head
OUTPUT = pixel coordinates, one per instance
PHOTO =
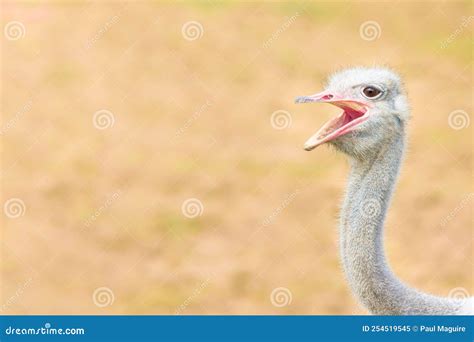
(375, 110)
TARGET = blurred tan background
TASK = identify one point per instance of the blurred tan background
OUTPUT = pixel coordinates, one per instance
(142, 172)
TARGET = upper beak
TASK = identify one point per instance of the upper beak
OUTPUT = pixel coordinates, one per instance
(334, 99)
(353, 114)
(319, 97)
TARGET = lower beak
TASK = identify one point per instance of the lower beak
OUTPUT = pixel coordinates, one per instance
(354, 113)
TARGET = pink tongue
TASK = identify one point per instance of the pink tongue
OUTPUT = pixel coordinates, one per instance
(352, 114)
(347, 118)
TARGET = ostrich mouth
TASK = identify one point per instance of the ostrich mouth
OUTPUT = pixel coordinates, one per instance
(354, 113)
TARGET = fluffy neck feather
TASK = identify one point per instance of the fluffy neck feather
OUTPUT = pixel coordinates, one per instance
(370, 187)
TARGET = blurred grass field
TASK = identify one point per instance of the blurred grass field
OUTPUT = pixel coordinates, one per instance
(192, 119)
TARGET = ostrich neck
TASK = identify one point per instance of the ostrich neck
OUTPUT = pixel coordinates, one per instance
(370, 187)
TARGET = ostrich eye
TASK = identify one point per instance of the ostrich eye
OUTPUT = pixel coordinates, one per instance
(371, 92)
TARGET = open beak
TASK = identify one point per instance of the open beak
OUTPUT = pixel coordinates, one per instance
(354, 113)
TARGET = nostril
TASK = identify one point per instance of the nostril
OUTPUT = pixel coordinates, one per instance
(327, 97)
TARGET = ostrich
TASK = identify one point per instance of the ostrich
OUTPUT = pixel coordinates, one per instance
(371, 132)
